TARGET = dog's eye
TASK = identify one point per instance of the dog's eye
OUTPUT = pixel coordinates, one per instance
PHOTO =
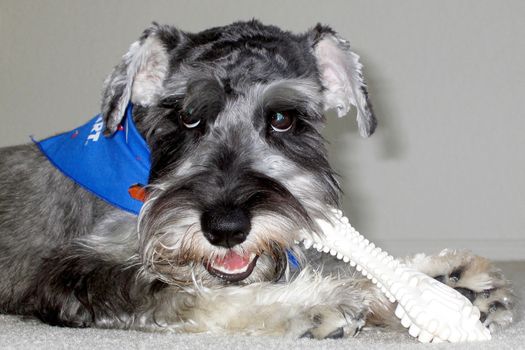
(282, 121)
(189, 120)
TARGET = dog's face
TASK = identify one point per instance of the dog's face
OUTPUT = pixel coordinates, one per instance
(233, 118)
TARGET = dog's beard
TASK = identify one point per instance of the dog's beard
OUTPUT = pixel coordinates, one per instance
(175, 250)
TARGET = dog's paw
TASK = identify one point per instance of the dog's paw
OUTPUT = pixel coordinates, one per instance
(477, 279)
(328, 322)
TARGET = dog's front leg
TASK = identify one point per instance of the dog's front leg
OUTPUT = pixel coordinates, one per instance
(79, 287)
(308, 306)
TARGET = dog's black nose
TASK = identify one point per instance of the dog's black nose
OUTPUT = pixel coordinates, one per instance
(226, 227)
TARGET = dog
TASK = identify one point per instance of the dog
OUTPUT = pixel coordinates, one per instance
(231, 118)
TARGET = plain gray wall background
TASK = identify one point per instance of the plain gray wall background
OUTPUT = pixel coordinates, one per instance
(446, 167)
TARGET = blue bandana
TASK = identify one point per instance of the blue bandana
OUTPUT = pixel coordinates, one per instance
(105, 166)
(108, 167)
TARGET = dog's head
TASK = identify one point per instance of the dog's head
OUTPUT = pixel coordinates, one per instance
(233, 117)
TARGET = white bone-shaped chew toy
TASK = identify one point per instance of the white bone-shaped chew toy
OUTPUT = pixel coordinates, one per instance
(430, 310)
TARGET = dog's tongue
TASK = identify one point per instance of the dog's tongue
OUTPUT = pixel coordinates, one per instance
(232, 261)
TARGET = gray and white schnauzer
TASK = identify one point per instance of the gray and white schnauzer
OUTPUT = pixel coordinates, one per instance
(232, 117)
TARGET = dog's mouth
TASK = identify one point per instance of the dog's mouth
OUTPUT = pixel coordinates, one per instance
(232, 267)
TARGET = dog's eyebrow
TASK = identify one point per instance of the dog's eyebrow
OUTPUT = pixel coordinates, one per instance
(203, 94)
(178, 85)
(206, 95)
(293, 93)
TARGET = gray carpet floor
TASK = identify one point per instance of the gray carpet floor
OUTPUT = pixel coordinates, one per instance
(16, 333)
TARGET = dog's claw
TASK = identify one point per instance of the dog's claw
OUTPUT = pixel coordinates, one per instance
(337, 334)
(307, 335)
(331, 322)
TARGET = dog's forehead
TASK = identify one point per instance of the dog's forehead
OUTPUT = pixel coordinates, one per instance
(251, 53)
(241, 56)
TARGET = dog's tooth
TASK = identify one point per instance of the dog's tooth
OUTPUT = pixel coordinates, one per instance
(326, 249)
(307, 243)
(333, 252)
(352, 263)
(339, 256)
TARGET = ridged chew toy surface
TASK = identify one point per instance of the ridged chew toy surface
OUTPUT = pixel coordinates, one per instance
(432, 311)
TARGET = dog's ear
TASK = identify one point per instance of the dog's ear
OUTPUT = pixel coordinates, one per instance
(140, 75)
(342, 77)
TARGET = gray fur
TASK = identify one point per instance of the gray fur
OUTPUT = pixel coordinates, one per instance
(70, 259)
